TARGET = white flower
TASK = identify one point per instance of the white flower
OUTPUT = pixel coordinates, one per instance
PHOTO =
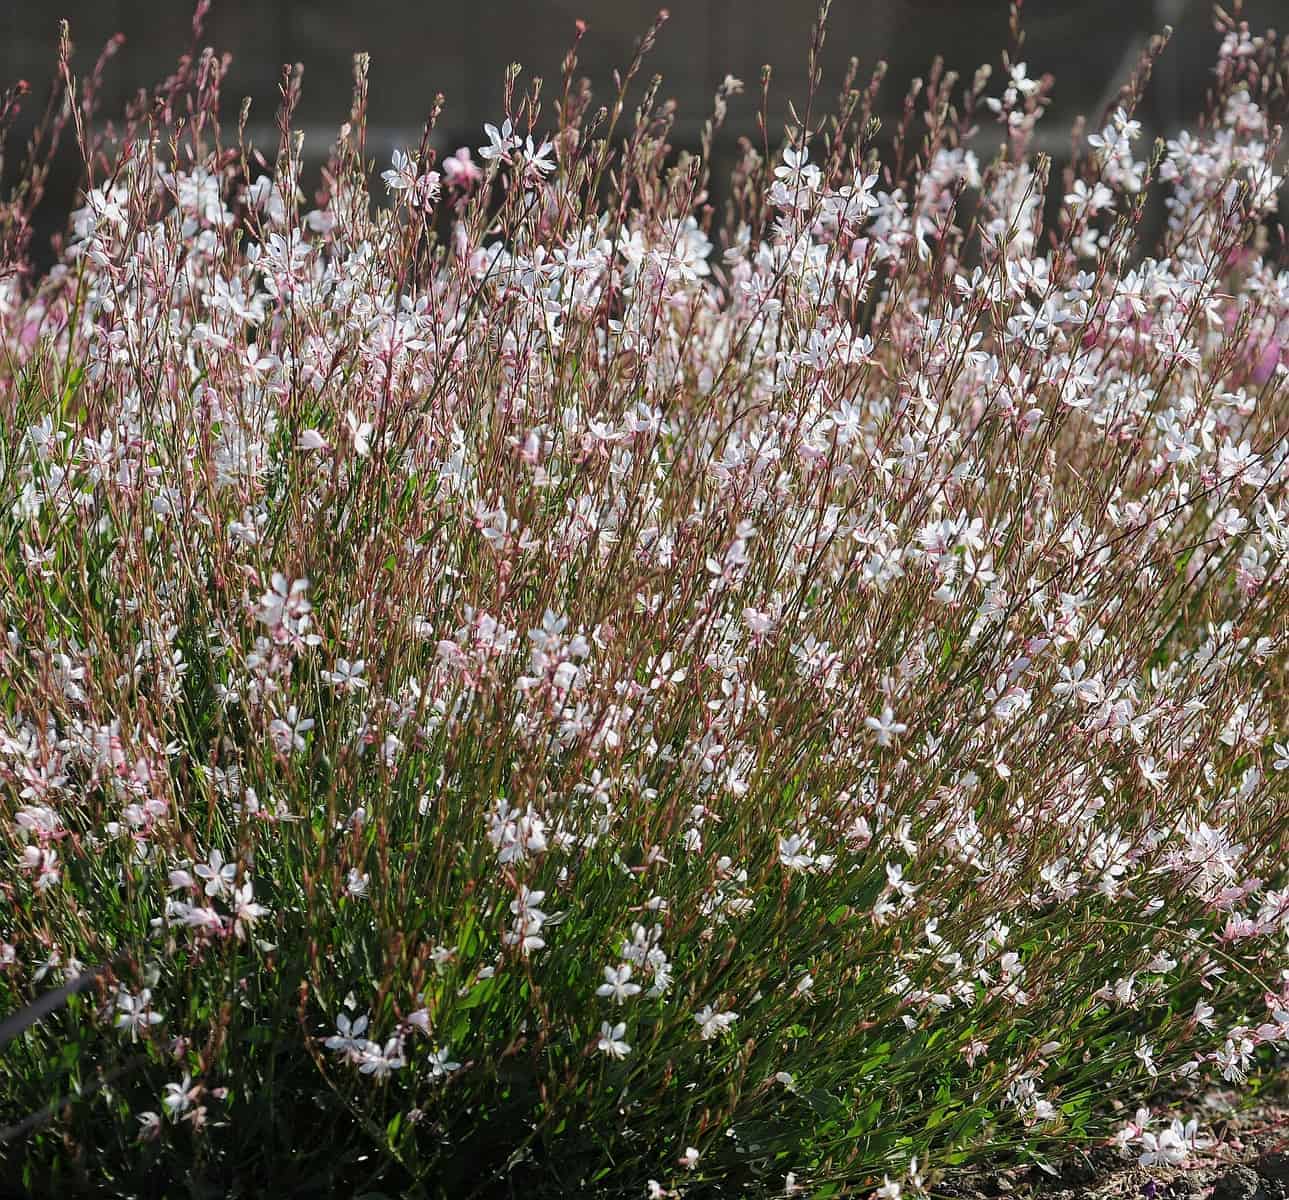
(288, 730)
(282, 601)
(617, 984)
(179, 1096)
(712, 1023)
(43, 864)
(348, 1041)
(360, 431)
(347, 677)
(537, 159)
(404, 177)
(1151, 772)
(218, 874)
(245, 911)
(403, 173)
(797, 168)
(611, 1040)
(441, 1064)
(1171, 1147)
(500, 142)
(380, 1061)
(357, 883)
(134, 1013)
(796, 853)
(886, 726)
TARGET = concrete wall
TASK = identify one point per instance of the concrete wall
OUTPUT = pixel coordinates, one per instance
(461, 48)
(422, 46)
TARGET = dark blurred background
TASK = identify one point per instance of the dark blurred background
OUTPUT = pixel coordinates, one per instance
(419, 47)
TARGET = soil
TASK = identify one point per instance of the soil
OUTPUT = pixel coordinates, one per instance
(1247, 1160)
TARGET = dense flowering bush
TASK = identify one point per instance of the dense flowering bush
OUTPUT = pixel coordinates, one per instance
(535, 683)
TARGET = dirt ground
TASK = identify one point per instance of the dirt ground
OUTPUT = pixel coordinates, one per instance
(1247, 1160)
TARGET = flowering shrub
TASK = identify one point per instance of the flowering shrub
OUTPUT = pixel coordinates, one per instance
(535, 679)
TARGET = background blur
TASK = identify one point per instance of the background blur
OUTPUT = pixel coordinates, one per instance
(419, 47)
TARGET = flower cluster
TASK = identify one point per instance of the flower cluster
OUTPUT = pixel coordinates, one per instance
(805, 689)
